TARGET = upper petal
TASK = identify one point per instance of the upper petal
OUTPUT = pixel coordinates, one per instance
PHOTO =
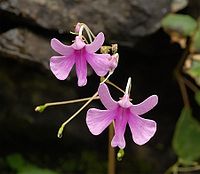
(120, 127)
(61, 66)
(145, 106)
(96, 44)
(106, 98)
(61, 48)
(100, 63)
(142, 129)
(97, 120)
(78, 43)
(125, 101)
(81, 68)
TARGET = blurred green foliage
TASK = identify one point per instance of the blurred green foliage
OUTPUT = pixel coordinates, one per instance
(183, 24)
(186, 140)
(17, 163)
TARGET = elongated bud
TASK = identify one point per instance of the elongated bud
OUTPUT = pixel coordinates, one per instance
(60, 131)
(40, 108)
(77, 27)
(120, 154)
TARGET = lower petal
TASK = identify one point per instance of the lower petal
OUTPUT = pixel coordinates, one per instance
(61, 66)
(100, 63)
(97, 120)
(142, 129)
(81, 69)
(120, 127)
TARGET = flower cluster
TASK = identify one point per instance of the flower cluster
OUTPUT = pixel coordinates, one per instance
(82, 53)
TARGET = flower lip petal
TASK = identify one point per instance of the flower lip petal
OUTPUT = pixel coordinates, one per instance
(61, 48)
(96, 44)
(99, 62)
(98, 120)
(145, 106)
(120, 122)
(78, 43)
(106, 98)
(61, 66)
(81, 68)
(142, 129)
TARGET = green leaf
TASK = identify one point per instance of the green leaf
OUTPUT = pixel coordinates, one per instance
(197, 97)
(35, 170)
(194, 70)
(16, 162)
(195, 45)
(183, 24)
(186, 140)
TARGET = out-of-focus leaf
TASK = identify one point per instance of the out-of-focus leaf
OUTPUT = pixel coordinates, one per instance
(192, 67)
(195, 44)
(18, 163)
(186, 140)
(35, 170)
(177, 5)
(182, 24)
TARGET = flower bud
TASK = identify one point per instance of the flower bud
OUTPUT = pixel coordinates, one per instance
(77, 27)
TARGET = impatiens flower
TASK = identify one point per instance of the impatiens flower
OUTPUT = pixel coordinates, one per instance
(122, 113)
(79, 53)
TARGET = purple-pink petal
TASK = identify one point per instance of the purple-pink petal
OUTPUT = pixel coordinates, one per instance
(81, 68)
(120, 123)
(145, 106)
(98, 120)
(96, 44)
(99, 63)
(78, 43)
(125, 101)
(106, 98)
(61, 66)
(61, 48)
(142, 129)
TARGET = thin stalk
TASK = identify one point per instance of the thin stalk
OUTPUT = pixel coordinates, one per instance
(66, 102)
(75, 114)
(189, 169)
(115, 86)
(182, 89)
(191, 85)
(111, 151)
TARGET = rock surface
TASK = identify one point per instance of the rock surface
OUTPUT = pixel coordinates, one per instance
(24, 44)
(121, 20)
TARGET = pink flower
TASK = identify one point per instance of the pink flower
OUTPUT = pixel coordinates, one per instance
(79, 53)
(122, 113)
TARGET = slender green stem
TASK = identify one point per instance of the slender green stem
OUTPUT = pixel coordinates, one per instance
(172, 169)
(189, 169)
(68, 102)
(75, 114)
(182, 89)
(191, 85)
(88, 29)
(115, 86)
